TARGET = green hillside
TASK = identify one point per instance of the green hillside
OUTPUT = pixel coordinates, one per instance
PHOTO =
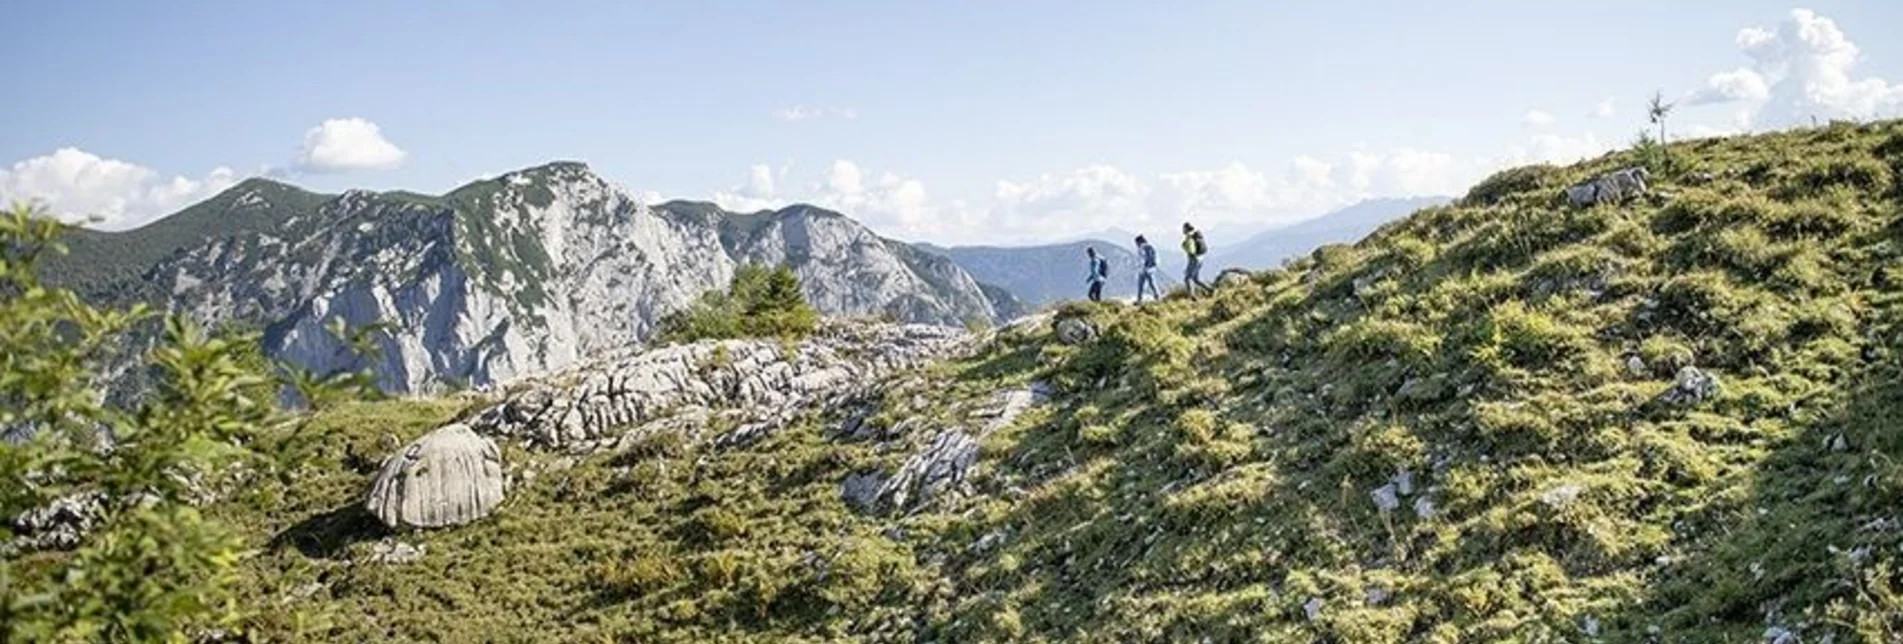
(108, 265)
(1207, 469)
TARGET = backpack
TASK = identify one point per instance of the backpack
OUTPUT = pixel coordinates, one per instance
(1196, 242)
(1103, 267)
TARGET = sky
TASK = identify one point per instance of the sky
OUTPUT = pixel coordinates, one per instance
(966, 122)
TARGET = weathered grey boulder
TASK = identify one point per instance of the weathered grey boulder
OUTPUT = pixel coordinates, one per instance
(1612, 187)
(1074, 330)
(450, 476)
(1233, 276)
(1692, 386)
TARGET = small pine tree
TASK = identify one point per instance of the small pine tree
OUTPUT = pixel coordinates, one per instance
(1656, 110)
(759, 302)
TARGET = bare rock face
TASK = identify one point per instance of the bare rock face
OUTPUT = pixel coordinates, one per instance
(767, 381)
(450, 476)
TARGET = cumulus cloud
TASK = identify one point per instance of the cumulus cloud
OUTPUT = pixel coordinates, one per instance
(347, 144)
(1603, 109)
(802, 113)
(1536, 118)
(110, 194)
(1802, 70)
(1095, 197)
(1741, 84)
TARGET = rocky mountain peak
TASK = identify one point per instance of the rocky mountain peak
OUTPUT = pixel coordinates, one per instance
(520, 274)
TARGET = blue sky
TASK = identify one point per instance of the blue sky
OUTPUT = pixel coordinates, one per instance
(956, 122)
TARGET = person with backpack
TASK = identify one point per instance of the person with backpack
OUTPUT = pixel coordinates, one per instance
(1146, 254)
(1195, 248)
(1099, 269)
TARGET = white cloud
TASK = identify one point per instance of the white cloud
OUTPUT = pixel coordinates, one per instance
(1536, 118)
(1802, 71)
(802, 113)
(1741, 84)
(1604, 109)
(80, 186)
(1056, 205)
(1551, 148)
(342, 145)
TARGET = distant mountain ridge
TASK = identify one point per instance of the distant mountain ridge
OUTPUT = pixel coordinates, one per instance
(1269, 248)
(521, 274)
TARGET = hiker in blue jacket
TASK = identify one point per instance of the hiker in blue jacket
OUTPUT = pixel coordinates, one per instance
(1147, 276)
(1099, 269)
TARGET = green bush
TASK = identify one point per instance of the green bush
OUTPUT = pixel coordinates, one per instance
(155, 569)
(761, 302)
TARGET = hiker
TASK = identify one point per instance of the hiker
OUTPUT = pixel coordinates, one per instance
(1147, 277)
(1099, 269)
(1194, 247)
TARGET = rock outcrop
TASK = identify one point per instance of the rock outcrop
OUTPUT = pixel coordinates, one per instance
(1071, 330)
(942, 464)
(450, 476)
(767, 381)
(1612, 187)
(58, 525)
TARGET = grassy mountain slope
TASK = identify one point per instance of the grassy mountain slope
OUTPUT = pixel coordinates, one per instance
(1205, 468)
(108, 264)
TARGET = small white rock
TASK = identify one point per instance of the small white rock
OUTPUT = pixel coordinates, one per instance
(1313, 608)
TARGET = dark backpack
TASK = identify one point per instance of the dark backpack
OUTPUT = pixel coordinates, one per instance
(1196, 242)
(1103, 267)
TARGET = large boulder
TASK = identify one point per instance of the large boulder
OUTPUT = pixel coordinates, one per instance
(450, 476)
(1612, 187)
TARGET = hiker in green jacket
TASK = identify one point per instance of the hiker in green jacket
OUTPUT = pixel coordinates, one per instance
(1194, 247)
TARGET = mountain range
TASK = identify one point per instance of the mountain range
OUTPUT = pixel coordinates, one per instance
(524, 273)
(1047, 273)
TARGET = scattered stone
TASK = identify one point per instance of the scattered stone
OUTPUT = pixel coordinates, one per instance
(1692, 386)
(1590, 625)
(450, 476)
(1074, 330)
(986, 543)
(1837, 443)
(59, 525)
(1636, 365)
(1312, 608)
(1403, 482)
(1562, 496)
(1779, 635)
(1385, 498)
(393, 552)
(1612, 187)
(1424, 507)
(861, 491)
(1378, 596)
